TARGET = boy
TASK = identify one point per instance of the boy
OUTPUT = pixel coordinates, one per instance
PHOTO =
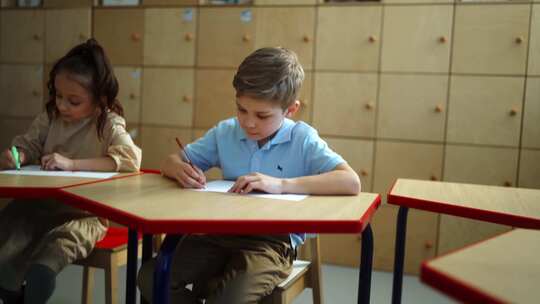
(261, 149)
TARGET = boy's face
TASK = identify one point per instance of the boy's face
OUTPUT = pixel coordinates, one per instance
(73, 101)
(260, 119)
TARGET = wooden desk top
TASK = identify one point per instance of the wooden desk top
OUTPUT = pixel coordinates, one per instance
(503, 269)
(31, 186)
(156, 204)
(517, 207)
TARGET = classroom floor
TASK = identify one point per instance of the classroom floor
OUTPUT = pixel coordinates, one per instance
(339, 283)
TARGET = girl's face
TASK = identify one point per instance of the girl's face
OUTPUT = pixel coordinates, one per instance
(74, 102)
(260, 119)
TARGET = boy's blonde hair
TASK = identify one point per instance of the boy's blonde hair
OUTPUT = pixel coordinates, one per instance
(272, 74)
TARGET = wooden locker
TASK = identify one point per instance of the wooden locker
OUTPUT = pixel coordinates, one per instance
(485, 110)
(481, 165)
(129, 95)
(490, 39)
(529, 169)
(348, 38)
(347, 98)
(158, 142)
(289, 27)
(358, 154)
(215, 99)
(534, 43)
(21, 90)
(172, 106)
(21, 36)
(226, 36)
(417, 38)
(531, 114)
(65, 28)
(395, 160)
(123, 41)
(344, 249)
(169, 36)
(412, 107)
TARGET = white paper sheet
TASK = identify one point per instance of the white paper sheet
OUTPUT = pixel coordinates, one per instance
(224, 185)
(36, 171)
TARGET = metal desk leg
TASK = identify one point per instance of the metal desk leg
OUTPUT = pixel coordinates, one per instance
(399, 254)
(131, 275)
(147, 251)
(366, 261)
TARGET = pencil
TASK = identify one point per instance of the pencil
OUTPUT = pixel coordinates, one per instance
(183, 150)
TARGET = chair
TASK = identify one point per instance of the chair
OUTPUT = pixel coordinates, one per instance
(109, 254)
(305, 274)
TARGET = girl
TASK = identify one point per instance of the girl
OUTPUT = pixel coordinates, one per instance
(81, 129)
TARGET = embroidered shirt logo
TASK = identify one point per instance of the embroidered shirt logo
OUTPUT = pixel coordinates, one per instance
(279, 168)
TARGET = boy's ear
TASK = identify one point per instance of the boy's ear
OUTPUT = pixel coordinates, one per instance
(292, 109)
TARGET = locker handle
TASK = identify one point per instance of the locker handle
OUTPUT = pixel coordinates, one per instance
(36, 37)
(306, 38)
(433, 177)
(507, 183)
(364, 172)
(369, 106)
(519, 40)
(186, 99)
(132, 96)
(136, 37)
(35, 93)
(443, 39)
(513, 112)
(188, 37)
(438, 109)
(428, 245)
(372, 39)
(246, 38)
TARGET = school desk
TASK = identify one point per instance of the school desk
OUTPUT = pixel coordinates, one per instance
(31, 186)
(150, 203)
(516, 207)
(502, 269)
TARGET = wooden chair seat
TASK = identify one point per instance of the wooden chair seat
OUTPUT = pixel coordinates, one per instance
(109, 254)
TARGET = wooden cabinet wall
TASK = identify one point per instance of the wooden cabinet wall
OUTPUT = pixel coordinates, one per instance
(427, 89)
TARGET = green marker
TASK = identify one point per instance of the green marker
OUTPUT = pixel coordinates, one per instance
(16, 157)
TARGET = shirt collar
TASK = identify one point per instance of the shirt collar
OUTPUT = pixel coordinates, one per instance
(283, 135)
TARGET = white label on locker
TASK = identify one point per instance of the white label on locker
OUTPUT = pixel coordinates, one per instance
(136, 74)
(188, 15)
(245, 16)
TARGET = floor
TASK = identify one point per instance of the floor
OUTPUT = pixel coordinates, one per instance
(339, 286)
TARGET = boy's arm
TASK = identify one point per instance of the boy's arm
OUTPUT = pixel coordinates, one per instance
(342, 180)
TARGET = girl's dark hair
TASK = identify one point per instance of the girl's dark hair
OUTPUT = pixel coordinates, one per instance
(89, 62)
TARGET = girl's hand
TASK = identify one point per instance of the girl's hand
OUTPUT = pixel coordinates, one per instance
(186, 175)
(257, 181)
(8, 162)
(56, 161)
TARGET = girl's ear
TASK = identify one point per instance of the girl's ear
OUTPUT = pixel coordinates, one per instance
(292, 109)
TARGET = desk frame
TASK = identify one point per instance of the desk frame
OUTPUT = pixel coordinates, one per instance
(405, 203)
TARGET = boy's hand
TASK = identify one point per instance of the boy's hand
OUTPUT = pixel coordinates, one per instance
(186, 175)
(56, 161)
(8, 162)
(257, 181)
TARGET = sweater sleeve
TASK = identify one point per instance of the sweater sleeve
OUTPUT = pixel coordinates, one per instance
(122, 149)
(33, 141)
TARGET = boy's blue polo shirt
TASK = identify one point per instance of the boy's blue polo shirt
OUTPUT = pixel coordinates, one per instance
(296, 150)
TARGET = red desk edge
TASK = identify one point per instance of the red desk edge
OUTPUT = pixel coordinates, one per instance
(454, 287)
(467, 212)
(220, 226)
